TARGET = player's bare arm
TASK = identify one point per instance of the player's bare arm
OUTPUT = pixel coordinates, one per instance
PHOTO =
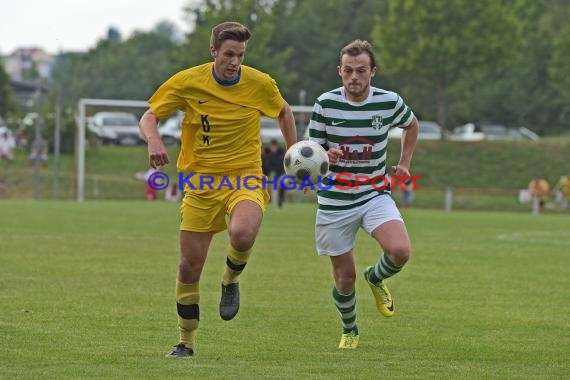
(409, 139)
(157, 154)
(287, 125)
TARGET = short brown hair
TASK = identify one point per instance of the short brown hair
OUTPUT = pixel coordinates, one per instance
(358, 47)
(229, 31)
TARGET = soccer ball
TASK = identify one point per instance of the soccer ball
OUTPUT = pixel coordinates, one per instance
(306, 160)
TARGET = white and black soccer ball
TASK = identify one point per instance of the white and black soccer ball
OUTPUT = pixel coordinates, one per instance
(306, 159)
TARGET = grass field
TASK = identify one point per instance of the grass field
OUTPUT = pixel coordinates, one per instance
(87, 291)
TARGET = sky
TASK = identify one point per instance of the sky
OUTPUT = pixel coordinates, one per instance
(77, 25)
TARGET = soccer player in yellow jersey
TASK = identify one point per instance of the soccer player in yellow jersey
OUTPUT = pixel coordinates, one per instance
(539, 189)
(563, 185)
(223, 102)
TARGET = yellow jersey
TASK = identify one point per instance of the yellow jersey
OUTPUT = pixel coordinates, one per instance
(220, 131)
(564, 185)
(539, 188)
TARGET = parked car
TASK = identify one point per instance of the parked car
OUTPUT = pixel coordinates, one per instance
(429, 130)
(494, 132)
(170, 130)
(466, 132)
(523, 133)
(269, 130)
(120, 128)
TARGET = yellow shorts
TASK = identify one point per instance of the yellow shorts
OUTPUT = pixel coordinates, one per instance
(213, 196)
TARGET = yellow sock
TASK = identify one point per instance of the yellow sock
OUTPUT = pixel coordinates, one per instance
(235, 262)
(187, 299)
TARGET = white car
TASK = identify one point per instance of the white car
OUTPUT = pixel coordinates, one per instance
(269, 130)
(493, 132)
(170, 130)
(115, 128)
(467, 132)
(523, 133)
(429, 130)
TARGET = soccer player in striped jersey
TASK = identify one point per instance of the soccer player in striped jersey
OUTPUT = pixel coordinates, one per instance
(223, 101)
(352, 123)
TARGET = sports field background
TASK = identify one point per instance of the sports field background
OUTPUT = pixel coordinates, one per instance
(87, 291)
(470, 169)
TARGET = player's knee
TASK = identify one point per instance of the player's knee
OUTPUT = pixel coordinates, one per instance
(189, 271)
(242, 240)
(400, 254)
(345, 281)
(345, 285)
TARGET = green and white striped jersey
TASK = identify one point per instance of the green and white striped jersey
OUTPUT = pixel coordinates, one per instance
(360, 130)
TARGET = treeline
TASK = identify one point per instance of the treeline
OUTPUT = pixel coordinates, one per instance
(505, 61)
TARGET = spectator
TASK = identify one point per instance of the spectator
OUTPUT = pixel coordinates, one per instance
(272, 161)
(21, 140)
(150, 192)
(39, 151)
(563, 187)
(539, 188)
(7, 145)
(172, 193)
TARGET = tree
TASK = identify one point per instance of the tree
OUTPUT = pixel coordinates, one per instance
(522, 94)
(132, 69)
(7, 104)
(169, 30)
(114, 35)
(257, 15)
(561, 57)
(316, 31)
(559, 73)
(441, 48)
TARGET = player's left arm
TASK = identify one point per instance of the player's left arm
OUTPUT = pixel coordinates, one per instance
(287, 125)
(409, 139)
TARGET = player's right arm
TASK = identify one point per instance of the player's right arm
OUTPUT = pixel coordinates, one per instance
(163, 103)
(287, 125)
(157, 153)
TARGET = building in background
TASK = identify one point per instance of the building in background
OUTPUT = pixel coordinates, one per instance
(28, 64)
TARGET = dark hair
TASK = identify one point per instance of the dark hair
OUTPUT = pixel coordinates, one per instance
(229, 31)
(358, 47)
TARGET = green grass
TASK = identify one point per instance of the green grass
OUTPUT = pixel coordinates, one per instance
(487, 164)
(86, 291)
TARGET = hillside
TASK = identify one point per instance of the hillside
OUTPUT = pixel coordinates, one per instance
(487, 164)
